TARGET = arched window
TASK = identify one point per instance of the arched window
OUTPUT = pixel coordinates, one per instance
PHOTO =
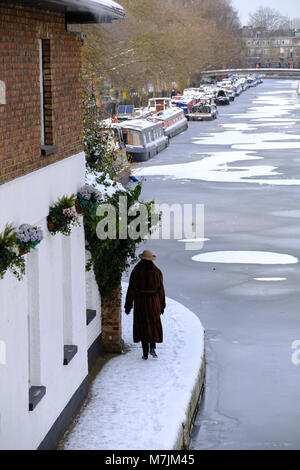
(2, 93)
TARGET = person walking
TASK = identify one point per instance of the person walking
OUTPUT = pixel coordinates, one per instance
(147, 294)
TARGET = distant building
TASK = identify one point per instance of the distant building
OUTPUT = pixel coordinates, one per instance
(280, 49)
(44, 338)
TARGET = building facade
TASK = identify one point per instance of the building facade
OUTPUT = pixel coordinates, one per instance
(49, 325)
(272, 50)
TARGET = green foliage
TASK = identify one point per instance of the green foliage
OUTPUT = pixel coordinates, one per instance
(111, 257)
(9, 255)
(62, 216)
(104, 150)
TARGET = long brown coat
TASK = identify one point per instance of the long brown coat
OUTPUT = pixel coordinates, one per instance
(146, 291)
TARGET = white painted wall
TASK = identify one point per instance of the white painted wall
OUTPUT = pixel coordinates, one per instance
(93, 302)
(54, 282)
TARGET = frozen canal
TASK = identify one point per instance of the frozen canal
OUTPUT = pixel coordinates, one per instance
(245, 169)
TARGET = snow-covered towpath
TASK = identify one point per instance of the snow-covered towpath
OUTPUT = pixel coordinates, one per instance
(136, 404)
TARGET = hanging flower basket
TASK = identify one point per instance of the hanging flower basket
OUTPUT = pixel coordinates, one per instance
(50, 224)
(62, 216)
(87, 199)
(10, 257)
(28, 238)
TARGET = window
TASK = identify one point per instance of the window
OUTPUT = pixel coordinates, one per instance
(47, 143)
(69, 348)
(135, 139)
(126, 137)
(2, 93)
(36, 390)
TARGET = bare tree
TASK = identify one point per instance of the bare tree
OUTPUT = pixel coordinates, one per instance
(161, 42)
(268, 20)
(295, 23)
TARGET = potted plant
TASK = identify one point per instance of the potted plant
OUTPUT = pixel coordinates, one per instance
(28, 238)
(87, 199)
(10, 257)
(62, 216)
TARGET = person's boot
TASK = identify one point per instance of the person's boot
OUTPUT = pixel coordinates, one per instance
(145, 357)
(153, 353)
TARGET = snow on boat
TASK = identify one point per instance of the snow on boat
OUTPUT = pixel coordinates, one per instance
(222, 99)
(159, 104)
(184, 103)
(203, 112)
(173, 120)
(143, 138)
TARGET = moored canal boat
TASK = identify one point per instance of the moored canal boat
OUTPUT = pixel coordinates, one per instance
(185, 103)
(173, 120)
(159, 104)
(222, 99)
(203, 112)
(143, 139)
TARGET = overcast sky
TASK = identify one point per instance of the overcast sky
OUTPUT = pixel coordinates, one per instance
(286, 7)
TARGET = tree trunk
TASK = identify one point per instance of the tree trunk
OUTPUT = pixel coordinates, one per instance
(111, 318)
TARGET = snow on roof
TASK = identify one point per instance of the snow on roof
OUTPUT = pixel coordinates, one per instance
(138, 124)
(82, 11)
(101, 3)
(167, 113)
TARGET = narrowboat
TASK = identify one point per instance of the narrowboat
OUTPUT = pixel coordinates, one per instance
(227, 86)
(203, 112)
(173, 120)
(222, 99)
(184, 103)
(159, 104)
(252, 81)
(143, 138)
(127, 112)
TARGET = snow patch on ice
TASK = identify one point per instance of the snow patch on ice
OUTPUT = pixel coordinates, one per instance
(194, 240)
(215, 168)
(268, 146)
(245, 257)
(251, 139)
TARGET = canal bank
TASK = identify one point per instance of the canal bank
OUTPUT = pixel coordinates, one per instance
(245, 169)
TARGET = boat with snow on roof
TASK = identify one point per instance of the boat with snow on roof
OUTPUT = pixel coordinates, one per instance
(173, 120)
(203, 112)
(143, 138)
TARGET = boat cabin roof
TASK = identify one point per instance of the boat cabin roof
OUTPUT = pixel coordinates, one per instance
(168, 113)
(139, 124)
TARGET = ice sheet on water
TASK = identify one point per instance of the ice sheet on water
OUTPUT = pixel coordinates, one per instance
(216, 168)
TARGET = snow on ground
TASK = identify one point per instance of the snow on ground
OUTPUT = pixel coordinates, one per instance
(140, 405)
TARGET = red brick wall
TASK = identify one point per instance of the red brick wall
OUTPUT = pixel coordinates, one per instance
(20, 117)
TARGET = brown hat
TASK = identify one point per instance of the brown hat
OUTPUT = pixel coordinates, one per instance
(147, 255)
